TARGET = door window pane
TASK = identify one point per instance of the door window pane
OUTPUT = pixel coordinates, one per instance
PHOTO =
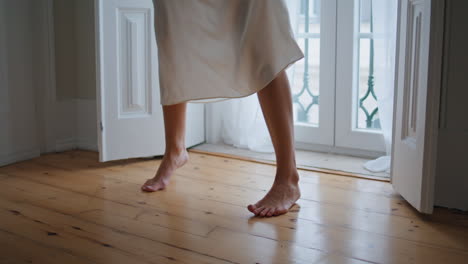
(306, 78)
(366, 110)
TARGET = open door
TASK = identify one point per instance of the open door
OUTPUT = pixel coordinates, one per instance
(130, 120)
(416, 102)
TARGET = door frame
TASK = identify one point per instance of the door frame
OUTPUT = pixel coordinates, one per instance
(99, 97)
(435, 73)
(50, 110)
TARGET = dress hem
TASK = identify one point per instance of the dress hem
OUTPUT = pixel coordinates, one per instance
(222, 98)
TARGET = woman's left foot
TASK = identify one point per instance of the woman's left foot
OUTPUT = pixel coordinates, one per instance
(281, 197)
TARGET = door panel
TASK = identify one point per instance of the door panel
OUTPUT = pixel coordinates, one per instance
(410, 176)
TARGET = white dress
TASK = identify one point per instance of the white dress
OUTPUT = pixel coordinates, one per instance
(218, 49)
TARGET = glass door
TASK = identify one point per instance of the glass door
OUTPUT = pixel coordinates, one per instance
(312, 79)
(358, 124)
(334, 87)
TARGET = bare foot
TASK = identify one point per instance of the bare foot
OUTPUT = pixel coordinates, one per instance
(281, 197)
(169, 164)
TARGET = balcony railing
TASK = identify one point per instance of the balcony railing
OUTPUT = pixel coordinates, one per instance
(304, 108)
(370, 112)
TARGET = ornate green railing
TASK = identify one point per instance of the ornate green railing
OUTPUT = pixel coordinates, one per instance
(302, 112)
(371, 123)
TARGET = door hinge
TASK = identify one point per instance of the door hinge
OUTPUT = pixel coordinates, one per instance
(100, 125)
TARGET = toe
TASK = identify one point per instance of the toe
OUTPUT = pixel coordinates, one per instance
(258, 210)
(146, 184)
(148, 188)
(251, 208)
(264, 212)
(271, 212)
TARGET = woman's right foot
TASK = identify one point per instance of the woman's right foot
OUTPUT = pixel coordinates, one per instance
(282, 196)
(171, 161)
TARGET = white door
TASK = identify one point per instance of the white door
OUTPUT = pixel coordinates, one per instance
(129, 111)
(415, 114)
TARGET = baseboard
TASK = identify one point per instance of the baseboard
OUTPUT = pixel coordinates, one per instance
(87, 145)
(75, 143)
(65, 144)
(6, 159)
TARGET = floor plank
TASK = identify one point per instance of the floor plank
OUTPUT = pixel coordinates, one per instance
(96, 242)
(23, 250)
(201, 217)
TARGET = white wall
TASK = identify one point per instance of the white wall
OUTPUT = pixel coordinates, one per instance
(75, 74)
(18, 128)
(85, 50)
(451, 189)
(39, 111)
(65, 49)
(85, 75)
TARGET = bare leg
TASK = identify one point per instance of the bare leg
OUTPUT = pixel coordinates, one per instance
(276, 103)
(175, 154)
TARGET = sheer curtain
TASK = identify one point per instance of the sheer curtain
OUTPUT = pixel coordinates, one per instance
(385, 25)
(243, 124)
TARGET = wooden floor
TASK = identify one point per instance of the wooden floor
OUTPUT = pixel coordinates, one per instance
(69, 208)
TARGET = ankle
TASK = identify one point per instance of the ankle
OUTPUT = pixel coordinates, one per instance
(289, 177)
(175, 151)
(176, 158)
